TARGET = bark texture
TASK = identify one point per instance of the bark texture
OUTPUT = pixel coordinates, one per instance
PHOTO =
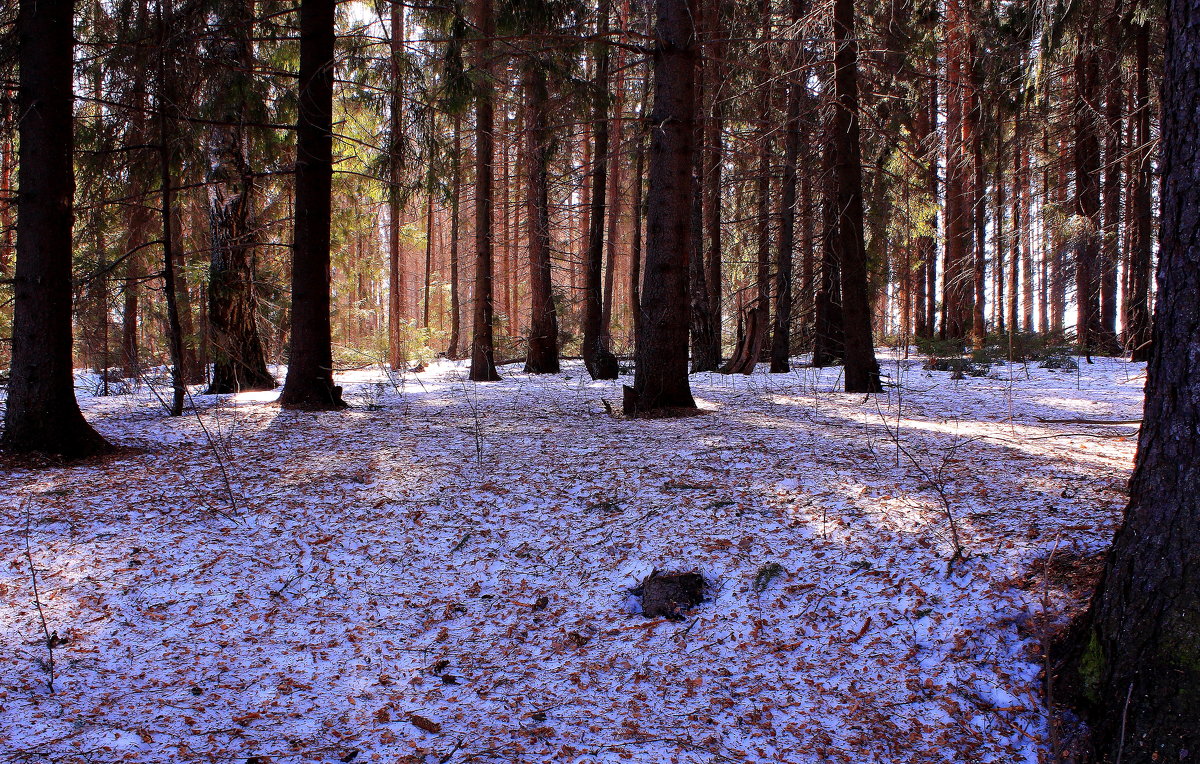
(239, 362)
(661, 373)
(42, 413)
(542, 353)
(309, 384)
(1135, 659)
(862, 370)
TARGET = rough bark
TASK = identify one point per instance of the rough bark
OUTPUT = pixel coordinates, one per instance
(483, 353)
(455, 226)
(309, 384)
(1089, 330)
(1141, 216)
(861, 368)
(661, 373)
(395, 189)
(599, 360)
(542, 352)
(781, 335)
(1135, 655)
(239, 362)
(41, 413)
(705, 334)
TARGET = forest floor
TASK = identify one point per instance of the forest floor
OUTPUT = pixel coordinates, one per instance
(442, 572)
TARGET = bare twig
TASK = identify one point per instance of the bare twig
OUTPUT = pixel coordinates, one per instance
(51, 638)
(936, 480)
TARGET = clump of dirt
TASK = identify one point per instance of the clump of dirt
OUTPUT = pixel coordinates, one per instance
(670, 594)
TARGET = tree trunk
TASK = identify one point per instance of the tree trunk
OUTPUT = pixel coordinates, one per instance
(1087, 197)
(661, 374)
(861, 368)
(483, 353)
(309, 384)
(166, 97)
(706, 346)
(1141, 214)
(395, 189)
(239, 362)
(781, 335)
(42, 414)
(1134, 657)
(542, 353)
(714, 74)
(599, 360)
(455, 225)
(1111, 209)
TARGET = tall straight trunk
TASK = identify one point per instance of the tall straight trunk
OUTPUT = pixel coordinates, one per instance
(193, 369)
(706, 340)
(599, 360)
(861, 368)
(1016, 234)
(927, 244)
(42, 414)
(542, 353)
(455, 225)
(639, 216)
(806, 214)
(781, 335)
(828, 327)
(1141, 215)
(309, 383)
(713, 74)
(165, 96)
(1135, 655)
(661, 356)
(614, 200)
(428, 286)
(395, 190)
(957, 271)
(1000, 243)
(7, 207)
(239, 362)
(1087, 196)
(138, 214)
(973, 139)
(483, 354)
(1058, 264)
(1026, 233)
(1111, 203)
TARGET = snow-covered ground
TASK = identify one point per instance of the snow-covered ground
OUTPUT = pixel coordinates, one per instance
(367, 585)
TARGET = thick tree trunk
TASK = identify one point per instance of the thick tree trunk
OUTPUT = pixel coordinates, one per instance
(41, 413)
(958, 268)
(542, 354)
(1135, 656)
(483, 353)
(599, 360)
(861, 368)
(239, 362)
(309, 384)
(661, 374)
